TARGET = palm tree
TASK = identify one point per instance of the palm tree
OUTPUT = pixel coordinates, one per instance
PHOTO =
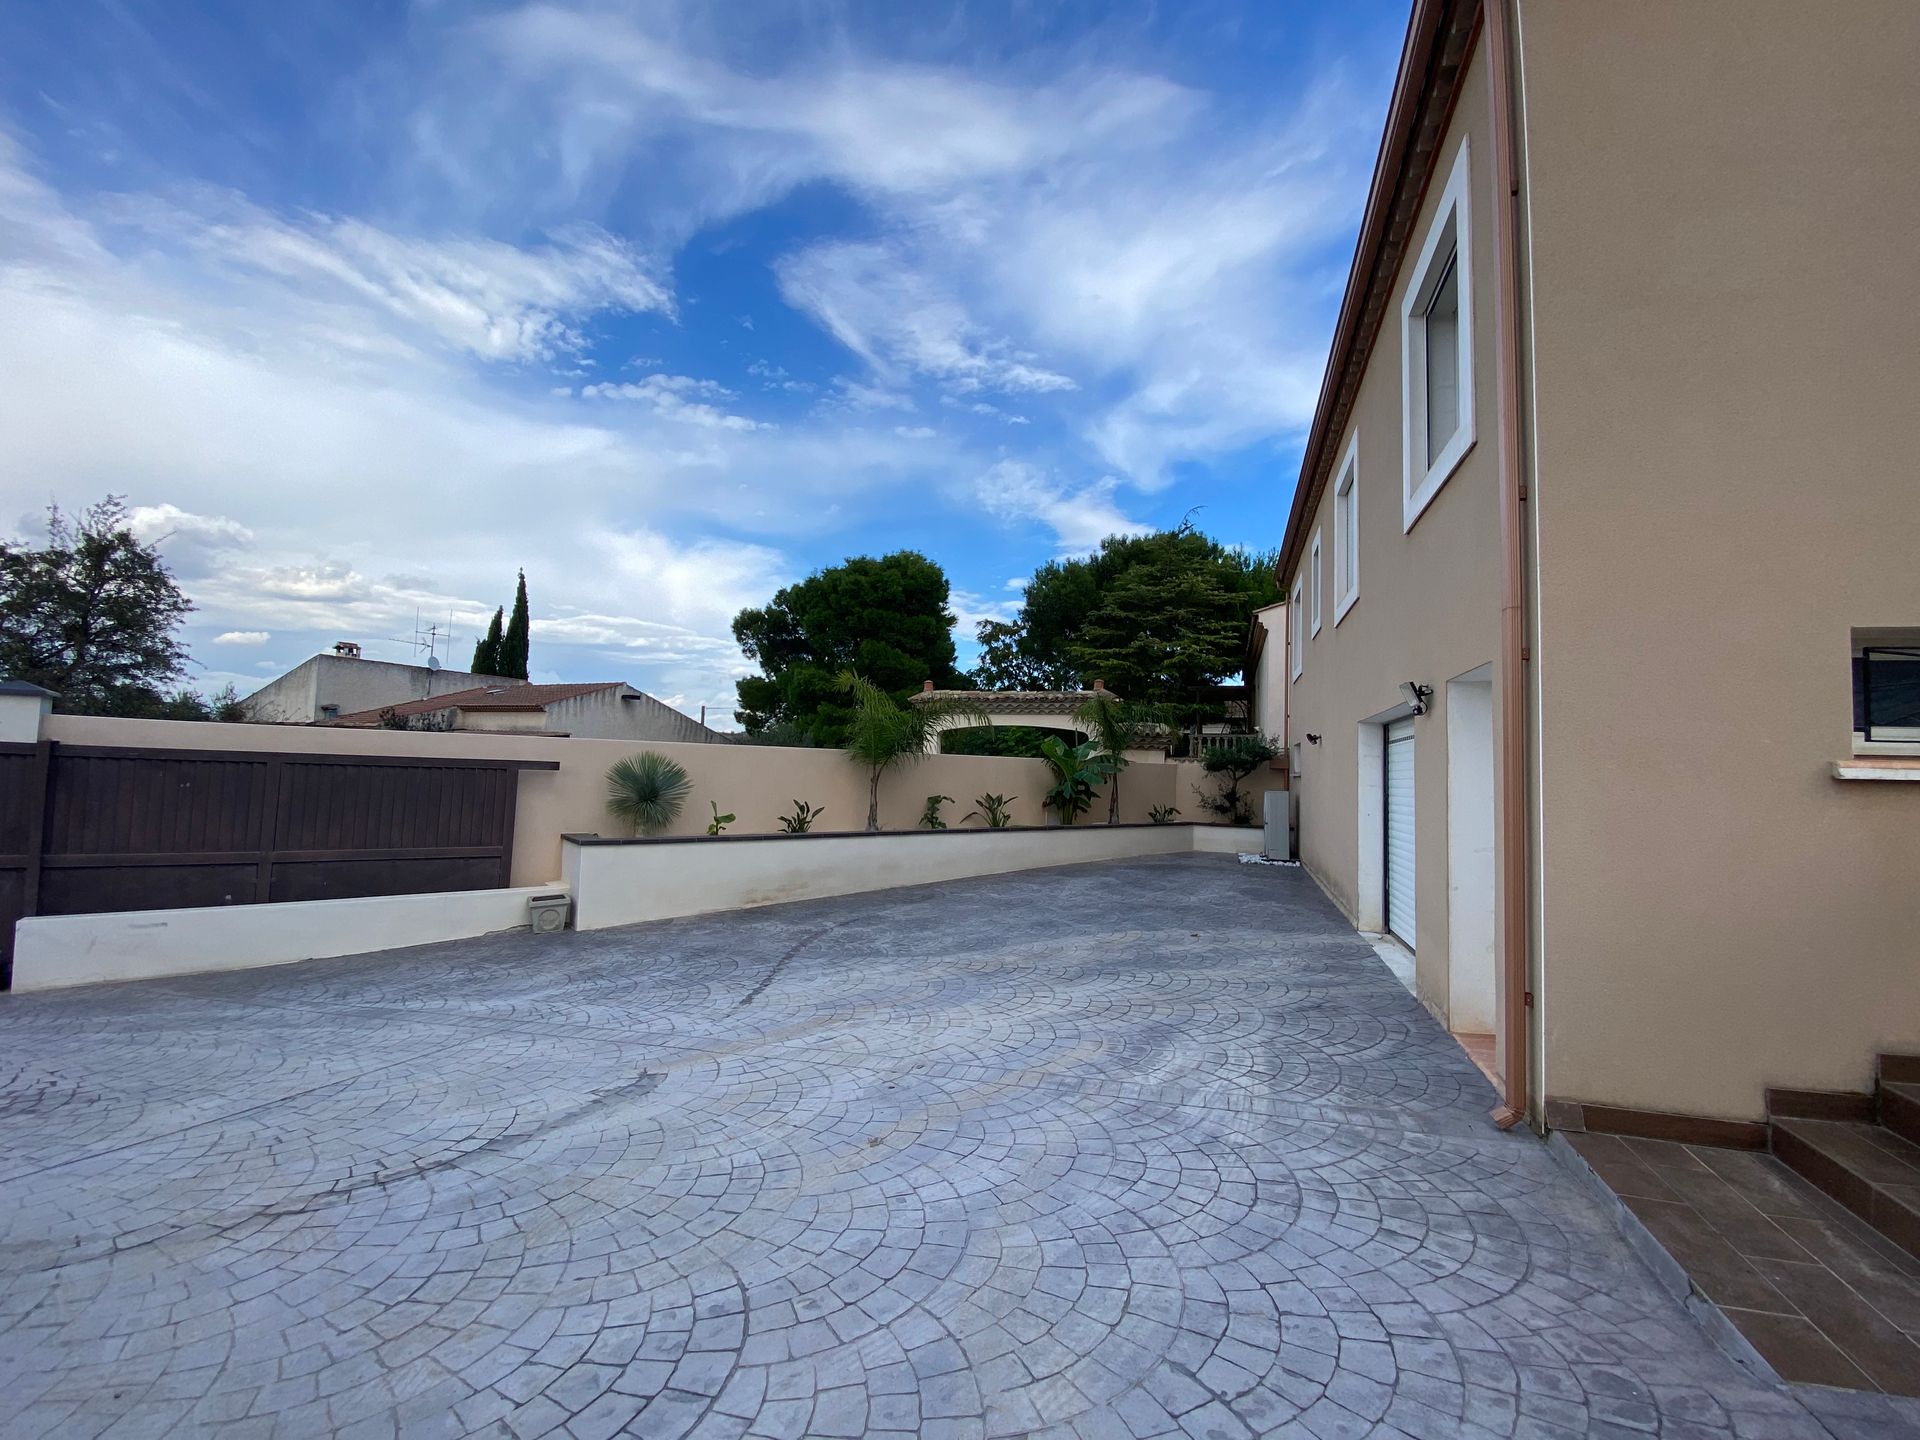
(647, 791)
(1116, 727)
(884, 733)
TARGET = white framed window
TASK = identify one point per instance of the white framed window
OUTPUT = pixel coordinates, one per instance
(1436, 349)
(1314, 571)
(1296, 638)
(1346, 531)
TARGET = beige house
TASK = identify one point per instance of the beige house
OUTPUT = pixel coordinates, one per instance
(603, 710)
(1606, 548)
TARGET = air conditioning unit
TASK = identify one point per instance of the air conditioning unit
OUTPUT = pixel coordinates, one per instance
(548, 913)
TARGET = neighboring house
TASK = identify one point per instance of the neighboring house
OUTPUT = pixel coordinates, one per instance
(1603, 569)
(1265, 670)
(328, 686)
(606, 710)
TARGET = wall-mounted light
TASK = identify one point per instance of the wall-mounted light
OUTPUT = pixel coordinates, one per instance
(1313, 739)
(1416, 695)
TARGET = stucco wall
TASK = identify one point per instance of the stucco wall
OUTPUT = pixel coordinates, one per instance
(1429, 599)
(627, 884)
(51, 951)
(757, 783)
(1723, 198)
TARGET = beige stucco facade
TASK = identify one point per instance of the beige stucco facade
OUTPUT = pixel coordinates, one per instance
(1726, 427)
(1715, 280)
(1427, 611)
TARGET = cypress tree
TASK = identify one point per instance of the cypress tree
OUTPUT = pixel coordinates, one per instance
(514, 645)
(486, 650)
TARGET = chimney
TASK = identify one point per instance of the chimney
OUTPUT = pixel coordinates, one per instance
(926, 687)
(1099, 685)
(347, 649)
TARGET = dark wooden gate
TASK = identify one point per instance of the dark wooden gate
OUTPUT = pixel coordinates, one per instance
(90, 828)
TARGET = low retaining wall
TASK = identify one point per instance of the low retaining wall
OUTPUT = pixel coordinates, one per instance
(51, 951)
(625, 882)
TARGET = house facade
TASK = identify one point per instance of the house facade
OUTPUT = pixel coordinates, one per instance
(343, 682)
(603, 710)
(1608, 519)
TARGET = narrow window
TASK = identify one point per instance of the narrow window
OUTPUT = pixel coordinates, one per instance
(1436, 349)
(1443, 362)
(1346, 532)
(1296, 637)
(1314, 570)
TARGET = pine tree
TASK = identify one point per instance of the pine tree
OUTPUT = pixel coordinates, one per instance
(514, 645)
(486, 650)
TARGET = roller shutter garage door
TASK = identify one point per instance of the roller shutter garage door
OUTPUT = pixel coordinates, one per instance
(1400, 830)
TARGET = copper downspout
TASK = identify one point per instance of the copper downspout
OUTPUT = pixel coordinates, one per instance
(1512, 759)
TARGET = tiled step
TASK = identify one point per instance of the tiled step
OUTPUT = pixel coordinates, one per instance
(1900, 1109)
(1866, 1167)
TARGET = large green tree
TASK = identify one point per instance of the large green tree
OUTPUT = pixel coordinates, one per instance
(885, 618)
(1159, 617)
(93, 615)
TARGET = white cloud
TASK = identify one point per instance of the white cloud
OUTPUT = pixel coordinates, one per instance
(892, 315)
(242, 637)
(679, 398)
(490, 300)
(1162, 268)
(1014, 491)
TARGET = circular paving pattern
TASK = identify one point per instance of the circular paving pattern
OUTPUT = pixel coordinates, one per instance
(1141, 1149)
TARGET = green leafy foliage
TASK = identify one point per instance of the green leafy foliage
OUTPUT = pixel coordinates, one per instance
(1077, 773)
(1233, 764)
(930, 814)
(802, 818)
(992, 809)
(1163, 814)
(1159, 617)
(1014, 741)
(719, 823)
(486, 650)
(646, 791)
(885, 619)
(92, 616)
(882, 733)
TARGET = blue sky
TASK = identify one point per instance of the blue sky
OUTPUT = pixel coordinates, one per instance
(364, 305)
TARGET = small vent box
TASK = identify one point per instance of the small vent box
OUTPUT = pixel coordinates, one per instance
(548, 913)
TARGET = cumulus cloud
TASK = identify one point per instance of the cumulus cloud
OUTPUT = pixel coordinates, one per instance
(242, 637)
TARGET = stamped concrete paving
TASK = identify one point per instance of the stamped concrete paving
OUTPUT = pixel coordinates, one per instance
(1147, 1148)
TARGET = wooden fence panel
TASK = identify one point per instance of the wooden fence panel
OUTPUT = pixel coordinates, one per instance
(86, 829)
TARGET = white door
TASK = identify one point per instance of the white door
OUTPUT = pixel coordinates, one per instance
(1400, 830)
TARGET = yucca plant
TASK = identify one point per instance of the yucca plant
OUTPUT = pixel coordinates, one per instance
(884, 733)
(646, 791)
